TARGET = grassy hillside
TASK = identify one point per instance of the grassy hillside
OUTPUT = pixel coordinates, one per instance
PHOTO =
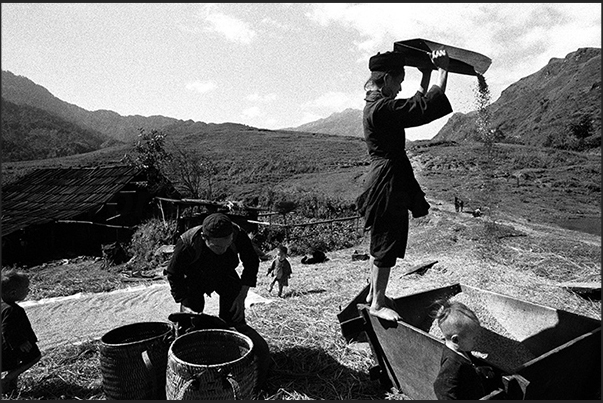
(539, 184)
(30, 133)
(247, 160)
(558, 106)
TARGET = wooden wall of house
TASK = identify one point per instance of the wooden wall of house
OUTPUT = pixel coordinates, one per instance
(48, 242)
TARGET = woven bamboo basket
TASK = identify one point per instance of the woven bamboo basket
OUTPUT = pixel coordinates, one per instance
(212, 364)
(133, 360)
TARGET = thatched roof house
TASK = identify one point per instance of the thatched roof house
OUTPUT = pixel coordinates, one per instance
(72, 210)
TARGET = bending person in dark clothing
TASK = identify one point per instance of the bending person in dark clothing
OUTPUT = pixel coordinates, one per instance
(391, 188)
(205, 260)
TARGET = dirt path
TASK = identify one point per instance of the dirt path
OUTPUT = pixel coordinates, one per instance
(79, 318)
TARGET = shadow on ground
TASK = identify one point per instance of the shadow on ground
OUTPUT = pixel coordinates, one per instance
(305, 373)
(295, 293)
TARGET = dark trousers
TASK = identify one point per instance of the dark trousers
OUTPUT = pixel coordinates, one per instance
(389, 237)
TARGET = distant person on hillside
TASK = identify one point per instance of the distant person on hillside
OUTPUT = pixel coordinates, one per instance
(19, 349)
(458, 204)
(281, 270)
(462, 376)
(390, 187)
(205, 259)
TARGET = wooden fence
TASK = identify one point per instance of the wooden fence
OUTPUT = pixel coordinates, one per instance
(289, 226)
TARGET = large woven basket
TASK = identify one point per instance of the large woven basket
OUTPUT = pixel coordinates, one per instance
(211, 364)
(133, 360)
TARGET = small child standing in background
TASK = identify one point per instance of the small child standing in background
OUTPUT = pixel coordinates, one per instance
(280, 269)
(19, 349)
(461, 375)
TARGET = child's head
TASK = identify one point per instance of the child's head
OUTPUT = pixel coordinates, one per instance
(281, 251)
(15, 285)
(459, 325)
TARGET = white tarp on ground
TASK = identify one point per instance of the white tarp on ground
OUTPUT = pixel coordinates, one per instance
(83, 317)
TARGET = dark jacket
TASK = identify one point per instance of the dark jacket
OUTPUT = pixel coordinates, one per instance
(391, 183)
(194, 268)
(281, 269)
(16, 328)
(458, 378)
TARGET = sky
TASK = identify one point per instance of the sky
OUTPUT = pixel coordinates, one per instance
(272, 65)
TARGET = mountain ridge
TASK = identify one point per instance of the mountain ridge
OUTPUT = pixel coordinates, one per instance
(543, 109)
(540, 109)
(21, 90)
(345, 123)
(526, 123)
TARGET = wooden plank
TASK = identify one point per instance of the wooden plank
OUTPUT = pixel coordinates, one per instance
(581, 287)
(569, 372)
(350, 318)
(462, 61)
(410, 357)
(419, 269)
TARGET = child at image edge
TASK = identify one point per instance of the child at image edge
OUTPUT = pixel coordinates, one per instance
(280, 269)
(19, 349)
(461, 376)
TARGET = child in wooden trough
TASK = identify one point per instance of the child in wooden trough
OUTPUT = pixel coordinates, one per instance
(19, 349)
(280, 269)
(461, 374)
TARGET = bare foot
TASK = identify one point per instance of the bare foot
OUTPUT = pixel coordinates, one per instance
(385, 313)
(388, 301)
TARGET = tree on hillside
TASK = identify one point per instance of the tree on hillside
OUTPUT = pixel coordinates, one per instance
(151, 156)
(192, 171)
(578, 136)
(583, 132)
(583, 128)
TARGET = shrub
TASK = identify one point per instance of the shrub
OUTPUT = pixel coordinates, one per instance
(309, 207)
(305, 239)
(149, 236)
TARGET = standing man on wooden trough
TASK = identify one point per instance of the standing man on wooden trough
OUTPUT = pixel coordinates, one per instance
(391, 188)
(205, 260)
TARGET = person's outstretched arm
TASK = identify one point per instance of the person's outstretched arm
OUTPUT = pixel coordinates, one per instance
(441, 60)
(424, 86)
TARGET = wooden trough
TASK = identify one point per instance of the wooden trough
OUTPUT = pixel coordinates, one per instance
(564, 348)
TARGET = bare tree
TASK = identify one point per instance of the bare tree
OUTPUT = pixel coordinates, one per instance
(192, 171)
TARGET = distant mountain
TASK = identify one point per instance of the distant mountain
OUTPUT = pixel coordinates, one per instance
(544, 108)
(30, 133)
(22, 91)
(541, 109)
(346, 123)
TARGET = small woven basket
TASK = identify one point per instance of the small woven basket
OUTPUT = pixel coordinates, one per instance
(212, 364)
(133, 360)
